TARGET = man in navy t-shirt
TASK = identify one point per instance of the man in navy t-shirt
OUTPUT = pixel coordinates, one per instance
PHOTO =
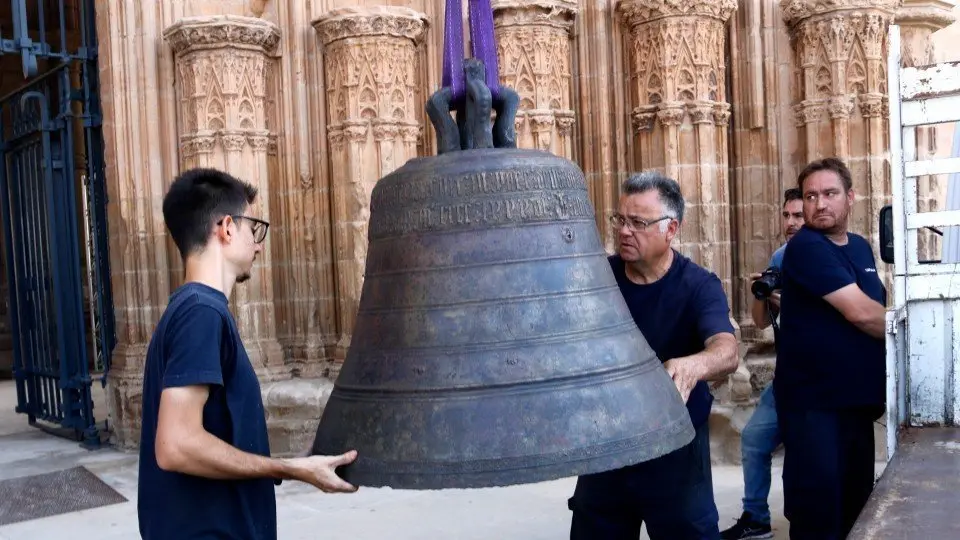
(829, 380)
(682, 311)
(205, 466)
(761, 436)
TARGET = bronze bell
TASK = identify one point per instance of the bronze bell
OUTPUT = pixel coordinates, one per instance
(492, 345)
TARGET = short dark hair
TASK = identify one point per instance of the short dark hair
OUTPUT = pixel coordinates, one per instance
(792, 194)
(667, 188)
(196, 199)
(827, 164)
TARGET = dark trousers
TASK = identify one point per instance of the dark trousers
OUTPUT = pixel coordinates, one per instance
(827, 470)
(672, 494)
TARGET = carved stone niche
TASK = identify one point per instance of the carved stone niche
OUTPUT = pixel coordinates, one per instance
(676, 69)
(533, 48)
(225, 66)
(639, 11)
(213, 32)
(372, 72)
(918, 19)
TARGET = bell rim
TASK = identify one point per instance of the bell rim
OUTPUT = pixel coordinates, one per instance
(430, 475)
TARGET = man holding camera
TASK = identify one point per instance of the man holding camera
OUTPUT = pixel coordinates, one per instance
(829, 380)
(761, 436)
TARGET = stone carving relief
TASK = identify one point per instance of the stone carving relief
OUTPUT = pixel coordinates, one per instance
(677, 57)
(839, 48)
(225, 68)
(198, 33)
(533, 49)
(640, 11)
(840, 52)
(677, 74)
(373, 104)
(351, 22)
(225, 75)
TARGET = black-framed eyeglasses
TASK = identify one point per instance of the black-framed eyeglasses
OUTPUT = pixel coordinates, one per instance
(634, 224)
(257, 226)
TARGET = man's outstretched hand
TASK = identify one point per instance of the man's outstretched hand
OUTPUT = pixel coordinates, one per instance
(320, 471)
(683, 375)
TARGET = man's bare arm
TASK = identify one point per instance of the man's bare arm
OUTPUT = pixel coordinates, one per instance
(184, 445)
(867, 314)
(719, 358)
(758, 310)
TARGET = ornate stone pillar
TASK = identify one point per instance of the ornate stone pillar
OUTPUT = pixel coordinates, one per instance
(680, 114)
(140, 148)
(842, 86)
(918, 19)
(371, 72)
(225, 69)
(533, 49)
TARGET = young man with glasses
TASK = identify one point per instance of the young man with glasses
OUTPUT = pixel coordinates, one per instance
(761, 436)
(205, 465)
(682, 311)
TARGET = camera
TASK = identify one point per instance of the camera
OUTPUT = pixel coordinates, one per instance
(769, 281)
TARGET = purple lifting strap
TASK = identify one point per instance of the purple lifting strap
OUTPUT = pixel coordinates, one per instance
(483, 41)
(453, 49)
(483, 45)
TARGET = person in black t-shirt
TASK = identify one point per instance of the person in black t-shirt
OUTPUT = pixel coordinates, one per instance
(829, 379)
(682, 311)
(205, 466)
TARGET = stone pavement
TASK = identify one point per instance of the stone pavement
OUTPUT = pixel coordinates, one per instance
(527, 512)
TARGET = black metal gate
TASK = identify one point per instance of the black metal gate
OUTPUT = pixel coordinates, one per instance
(53, 206)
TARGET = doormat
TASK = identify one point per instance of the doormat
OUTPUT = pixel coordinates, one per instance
(51, 494)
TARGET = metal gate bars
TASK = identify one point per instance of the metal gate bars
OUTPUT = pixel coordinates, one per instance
(51, 189)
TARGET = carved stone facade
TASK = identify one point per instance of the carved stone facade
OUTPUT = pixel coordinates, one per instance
(226, 119)
(533, 47)
(841, 86)
(371, 73)
(680, 114)
(315, 101)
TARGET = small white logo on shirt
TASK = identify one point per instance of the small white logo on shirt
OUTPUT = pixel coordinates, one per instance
(874, 270)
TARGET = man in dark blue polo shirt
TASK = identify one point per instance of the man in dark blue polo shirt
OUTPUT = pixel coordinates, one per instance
(682, 311)
(205, 466)
(829, 380)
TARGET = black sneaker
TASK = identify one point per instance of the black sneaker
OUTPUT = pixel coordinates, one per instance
(746, 528)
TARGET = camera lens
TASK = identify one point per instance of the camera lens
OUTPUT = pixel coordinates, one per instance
(764, 286)
(760, 289)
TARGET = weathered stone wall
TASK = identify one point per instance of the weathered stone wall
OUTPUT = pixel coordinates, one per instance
(315, 101)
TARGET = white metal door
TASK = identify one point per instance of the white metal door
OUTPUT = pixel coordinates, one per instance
(923, 334)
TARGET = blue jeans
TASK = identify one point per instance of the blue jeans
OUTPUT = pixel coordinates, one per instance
(758, 441)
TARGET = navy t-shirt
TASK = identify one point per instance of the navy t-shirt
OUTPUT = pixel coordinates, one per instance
(197, 343)
(823, 360)
(677, 314)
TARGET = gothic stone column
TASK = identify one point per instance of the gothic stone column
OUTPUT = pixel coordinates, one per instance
(760, 90)
(918, 19)
(225, 68)
(371, 71)
(136, 73)
(533, 49)
(680, 114)
(842, 86)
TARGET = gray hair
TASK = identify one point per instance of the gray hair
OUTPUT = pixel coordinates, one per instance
(667, 188)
